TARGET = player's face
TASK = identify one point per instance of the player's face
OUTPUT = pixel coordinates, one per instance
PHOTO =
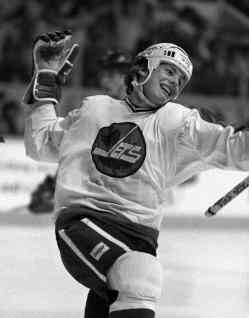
(164, 84)
(113, 84)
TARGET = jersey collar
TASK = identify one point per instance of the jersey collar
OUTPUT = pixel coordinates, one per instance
(138, 102)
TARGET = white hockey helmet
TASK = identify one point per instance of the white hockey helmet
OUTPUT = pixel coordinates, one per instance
(170, 53)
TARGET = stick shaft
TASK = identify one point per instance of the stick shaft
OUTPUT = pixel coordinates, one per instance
(229, 196)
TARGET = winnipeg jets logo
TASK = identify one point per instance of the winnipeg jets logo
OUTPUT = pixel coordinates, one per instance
(119, 150)
(122, 150)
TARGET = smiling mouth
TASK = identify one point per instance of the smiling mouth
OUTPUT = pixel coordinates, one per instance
(166, 89)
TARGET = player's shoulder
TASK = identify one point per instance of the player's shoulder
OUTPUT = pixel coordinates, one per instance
(97, 99)
(99, 103)
(172, 115)
(174, 109)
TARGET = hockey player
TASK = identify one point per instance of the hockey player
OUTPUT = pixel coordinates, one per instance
(115, 163)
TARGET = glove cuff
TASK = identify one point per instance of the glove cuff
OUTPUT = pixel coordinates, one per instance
(46, 87)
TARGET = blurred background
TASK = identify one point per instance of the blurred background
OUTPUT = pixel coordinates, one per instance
(214, 33)
(205, 261)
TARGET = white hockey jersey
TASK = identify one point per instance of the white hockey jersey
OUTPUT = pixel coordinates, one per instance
(115, 159)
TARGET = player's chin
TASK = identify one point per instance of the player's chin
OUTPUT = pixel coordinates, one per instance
(159, 100)
(163, 100)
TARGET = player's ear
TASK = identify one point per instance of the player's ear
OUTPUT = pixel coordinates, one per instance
(142, 74)
(142, 70)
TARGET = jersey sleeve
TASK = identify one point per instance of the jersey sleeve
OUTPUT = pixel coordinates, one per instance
(215, 145)
(44, 131)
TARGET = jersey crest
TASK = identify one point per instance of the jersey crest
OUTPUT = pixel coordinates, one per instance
(119, 150)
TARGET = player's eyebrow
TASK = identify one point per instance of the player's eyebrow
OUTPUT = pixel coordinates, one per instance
(175, 69)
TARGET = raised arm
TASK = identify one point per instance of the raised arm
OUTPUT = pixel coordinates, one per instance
(53, 57)
(44, 132)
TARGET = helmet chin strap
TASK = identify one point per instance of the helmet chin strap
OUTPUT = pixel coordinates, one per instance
(136, 83)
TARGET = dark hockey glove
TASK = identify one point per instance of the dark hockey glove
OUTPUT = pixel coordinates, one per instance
(53, 59)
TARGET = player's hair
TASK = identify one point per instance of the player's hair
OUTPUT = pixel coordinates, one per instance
(115, 60)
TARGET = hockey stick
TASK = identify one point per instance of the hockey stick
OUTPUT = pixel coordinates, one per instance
(229, 196)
